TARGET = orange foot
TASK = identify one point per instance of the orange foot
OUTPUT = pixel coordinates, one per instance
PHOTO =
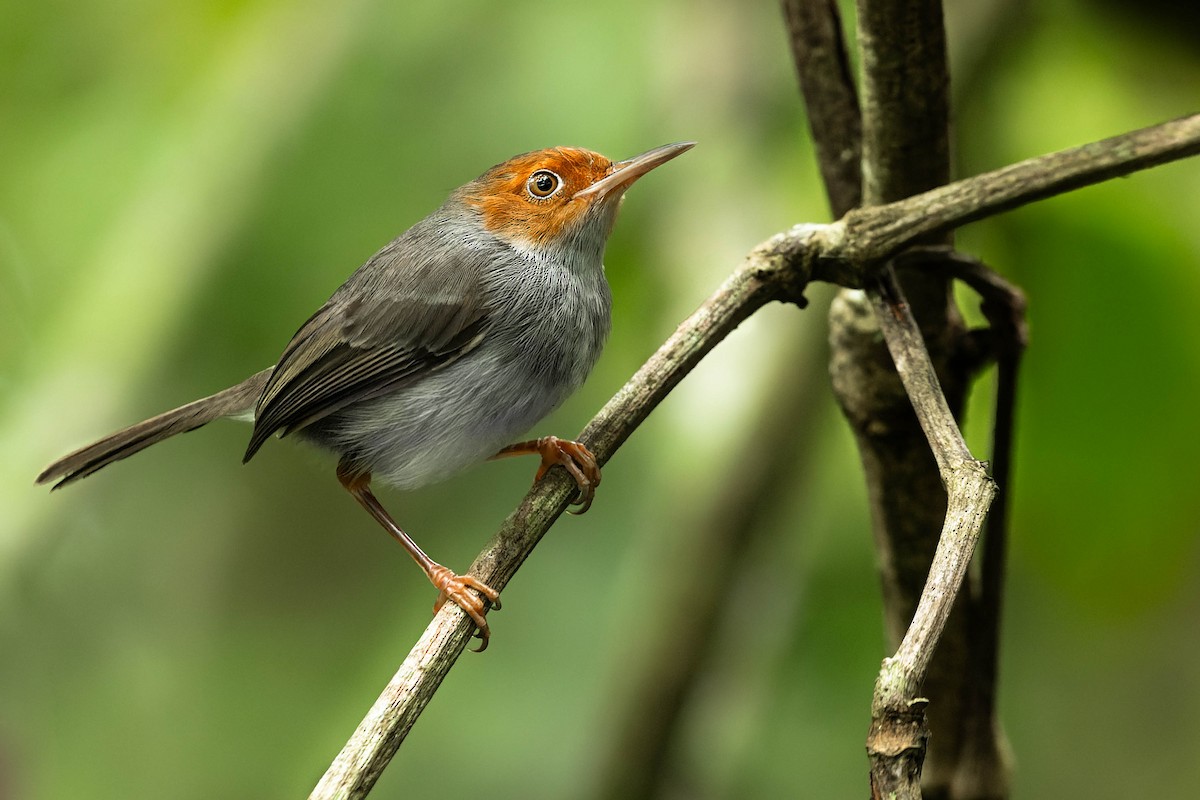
(453, 587)
(572, 456)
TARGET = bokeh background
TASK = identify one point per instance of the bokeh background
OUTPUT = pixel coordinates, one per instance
(182, 183)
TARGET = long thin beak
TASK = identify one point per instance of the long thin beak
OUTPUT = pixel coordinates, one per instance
(624, 173)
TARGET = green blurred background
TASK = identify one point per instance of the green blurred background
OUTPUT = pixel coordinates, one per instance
(181, 184)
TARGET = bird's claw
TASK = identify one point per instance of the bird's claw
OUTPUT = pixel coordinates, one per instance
(577, 460)
(454, 587)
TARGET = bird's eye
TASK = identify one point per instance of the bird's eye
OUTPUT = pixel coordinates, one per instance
(543, 184)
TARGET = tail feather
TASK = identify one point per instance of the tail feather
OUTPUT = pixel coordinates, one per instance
(235, 400)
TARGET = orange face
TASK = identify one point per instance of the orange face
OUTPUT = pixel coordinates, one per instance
(531, 198)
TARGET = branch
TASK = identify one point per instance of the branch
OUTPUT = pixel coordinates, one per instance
(823, 69)
(986, 766)
(880, 231)
(764, 275)
(778, 269)
(969, 490)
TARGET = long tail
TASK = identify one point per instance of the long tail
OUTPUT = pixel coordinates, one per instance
(231, 402)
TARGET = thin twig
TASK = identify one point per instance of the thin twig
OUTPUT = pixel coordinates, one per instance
(898, 734)
(896, 742)
(906, 346)
(776, 269)
(878, 232)
(985, 770)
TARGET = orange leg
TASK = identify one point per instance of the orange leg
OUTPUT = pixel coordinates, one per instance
(573, 456)
(450, 586)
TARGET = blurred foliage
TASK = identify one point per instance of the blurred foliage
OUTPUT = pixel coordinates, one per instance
(182, 183)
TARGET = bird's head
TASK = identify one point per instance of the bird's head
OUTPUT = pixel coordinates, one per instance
(549, 197)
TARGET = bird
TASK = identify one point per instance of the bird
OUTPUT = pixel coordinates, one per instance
(453, 340)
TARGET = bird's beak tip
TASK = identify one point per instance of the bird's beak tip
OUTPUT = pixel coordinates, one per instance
(624, 173)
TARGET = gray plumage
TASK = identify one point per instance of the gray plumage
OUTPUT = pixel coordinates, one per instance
(235, 401)
(375, 374)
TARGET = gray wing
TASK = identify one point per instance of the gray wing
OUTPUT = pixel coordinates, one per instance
(395, 320)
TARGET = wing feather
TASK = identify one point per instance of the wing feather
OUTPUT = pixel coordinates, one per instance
(398, 318)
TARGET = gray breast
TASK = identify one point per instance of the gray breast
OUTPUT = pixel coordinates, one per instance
(560, 315)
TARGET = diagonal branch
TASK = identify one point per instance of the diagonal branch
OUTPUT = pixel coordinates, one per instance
(778, 269)
(878, 232)
(872, 234)
(764, 275)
